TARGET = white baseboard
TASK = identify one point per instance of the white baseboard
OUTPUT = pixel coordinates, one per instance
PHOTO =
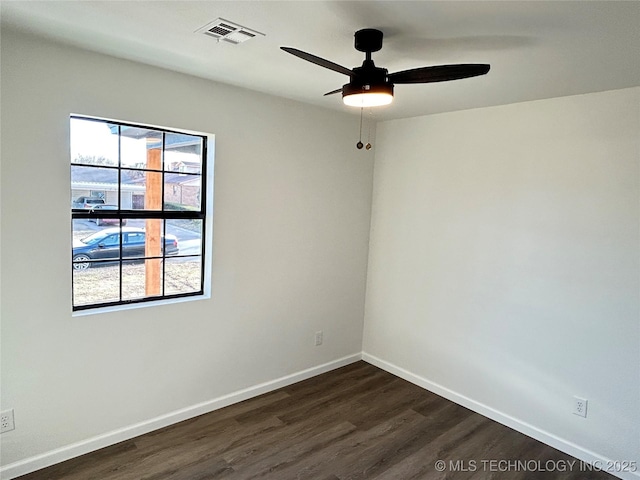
(545, 437)
(52, 457)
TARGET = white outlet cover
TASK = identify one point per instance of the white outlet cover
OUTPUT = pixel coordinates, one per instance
(6, 421)
(580, 406)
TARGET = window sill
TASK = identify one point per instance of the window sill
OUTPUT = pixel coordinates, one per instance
(132, 306)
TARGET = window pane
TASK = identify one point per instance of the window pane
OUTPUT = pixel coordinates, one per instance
(141, 190)
(141, 279)
(82, 228)
(96, 272)
(93, 244)
(188, 234)
(181, 192)
(182, 275)
(183, 153)
(93, 142)
(93, 186)
(141, 148)
(98, 284)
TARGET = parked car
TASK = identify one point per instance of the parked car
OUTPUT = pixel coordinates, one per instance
(87, 202)
(105, 245)
(106, 221)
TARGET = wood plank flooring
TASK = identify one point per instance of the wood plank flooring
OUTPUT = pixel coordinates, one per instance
(357, 422)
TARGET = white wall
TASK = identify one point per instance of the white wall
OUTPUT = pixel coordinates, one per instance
(504, 263)
(292, 216)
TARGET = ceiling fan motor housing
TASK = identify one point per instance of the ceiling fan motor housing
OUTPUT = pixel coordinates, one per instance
(369, 73)
(368, 77)
(368, 40)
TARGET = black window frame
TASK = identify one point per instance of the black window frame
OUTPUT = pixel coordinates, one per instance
(164, 215)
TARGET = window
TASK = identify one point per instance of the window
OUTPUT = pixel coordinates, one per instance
(138, 209)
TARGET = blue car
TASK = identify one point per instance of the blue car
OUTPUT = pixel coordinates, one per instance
(105, 245)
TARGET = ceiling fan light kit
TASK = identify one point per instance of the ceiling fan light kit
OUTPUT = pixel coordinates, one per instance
(365, 96)
(371, 86)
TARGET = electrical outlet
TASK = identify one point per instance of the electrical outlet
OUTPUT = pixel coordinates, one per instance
(6, 421)
(319, 338)
(580, 406)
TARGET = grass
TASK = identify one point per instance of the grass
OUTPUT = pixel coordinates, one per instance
(102, 283)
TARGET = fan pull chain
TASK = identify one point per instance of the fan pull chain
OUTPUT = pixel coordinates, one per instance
(359, 145)
(368, 145)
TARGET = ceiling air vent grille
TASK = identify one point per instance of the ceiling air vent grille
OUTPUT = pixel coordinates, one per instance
(222, 29)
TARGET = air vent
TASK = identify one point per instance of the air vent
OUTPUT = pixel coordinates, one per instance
(222, 29)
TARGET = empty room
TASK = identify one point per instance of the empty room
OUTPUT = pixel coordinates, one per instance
(320, 240)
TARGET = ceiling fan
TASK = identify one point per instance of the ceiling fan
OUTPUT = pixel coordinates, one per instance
(371, 86)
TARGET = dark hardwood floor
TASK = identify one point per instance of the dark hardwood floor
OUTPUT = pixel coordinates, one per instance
(357, 422)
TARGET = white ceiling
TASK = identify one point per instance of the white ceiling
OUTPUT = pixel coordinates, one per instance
(537, 49)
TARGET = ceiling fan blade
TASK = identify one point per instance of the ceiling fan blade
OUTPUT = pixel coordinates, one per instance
(439, 73)
(337, 90)
(317, 60)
